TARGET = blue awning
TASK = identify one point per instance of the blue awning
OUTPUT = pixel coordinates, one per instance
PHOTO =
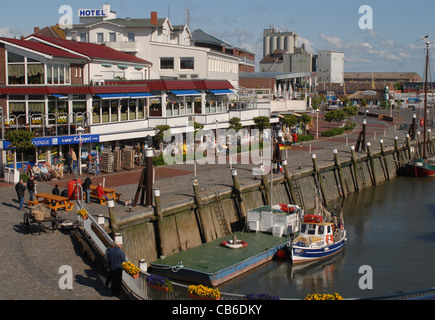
(59, 96)
(186, 92)
(113, 95)
(140, 95)
(217, 92)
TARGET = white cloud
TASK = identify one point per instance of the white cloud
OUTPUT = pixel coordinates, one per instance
(309, 46)
(8, 32)
(334, 41)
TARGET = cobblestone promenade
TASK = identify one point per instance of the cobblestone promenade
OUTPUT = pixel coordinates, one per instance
(29, 263)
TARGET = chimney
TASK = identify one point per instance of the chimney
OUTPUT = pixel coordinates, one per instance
(36, 30)
(154, 18)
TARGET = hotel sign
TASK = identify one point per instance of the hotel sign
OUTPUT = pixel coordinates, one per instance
(83, 13)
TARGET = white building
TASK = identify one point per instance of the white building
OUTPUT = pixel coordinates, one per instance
(168, 47)
(330, 66)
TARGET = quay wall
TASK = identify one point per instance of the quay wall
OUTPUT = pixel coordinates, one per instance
(190, 223)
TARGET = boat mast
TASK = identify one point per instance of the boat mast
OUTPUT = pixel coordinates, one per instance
(425, 98)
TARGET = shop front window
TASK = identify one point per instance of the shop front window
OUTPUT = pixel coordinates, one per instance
(114, 110)
(105, 110)
(96, 111)
(124, 110)
(141, 110)
(132, 109)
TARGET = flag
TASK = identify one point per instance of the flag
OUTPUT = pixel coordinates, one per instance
(283, 146)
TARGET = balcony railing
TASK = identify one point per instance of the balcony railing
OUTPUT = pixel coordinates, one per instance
(46, 125)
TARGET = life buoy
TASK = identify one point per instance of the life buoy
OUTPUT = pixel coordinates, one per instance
(238, 245)
(329, 238)
(313, 218)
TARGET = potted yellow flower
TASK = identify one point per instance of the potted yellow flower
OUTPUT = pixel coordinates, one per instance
(324, 296)
(131, 269)
(201, 292)
(83, 213)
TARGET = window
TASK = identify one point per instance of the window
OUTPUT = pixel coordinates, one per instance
(22, 70)
(83, 37)
(131, 37)
(100, 37)
(187, 63)
(112, 37)
(166, 63)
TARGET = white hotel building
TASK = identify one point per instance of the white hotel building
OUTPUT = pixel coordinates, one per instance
(168, 47)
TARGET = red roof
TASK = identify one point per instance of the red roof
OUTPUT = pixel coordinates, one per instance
(42, 90)
(42, 48)
(92, 50)
(213, 84)
(168, 85)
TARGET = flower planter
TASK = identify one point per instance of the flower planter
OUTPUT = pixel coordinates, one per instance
(159, 288)
(195, 297)
(135, 276)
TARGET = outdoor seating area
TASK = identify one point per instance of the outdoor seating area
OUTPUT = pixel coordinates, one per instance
(111, 194)
(52, 201)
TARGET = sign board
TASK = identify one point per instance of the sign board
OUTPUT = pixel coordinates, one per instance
(56, 141)
(87, 13)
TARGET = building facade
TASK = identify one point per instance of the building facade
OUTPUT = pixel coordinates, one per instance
(52, 88)
(330, 66)
(170, 48)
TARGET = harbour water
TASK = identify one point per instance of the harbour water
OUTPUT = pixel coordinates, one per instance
(391, 236)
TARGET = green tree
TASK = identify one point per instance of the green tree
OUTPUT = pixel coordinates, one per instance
(304, 120)
(235, 123)
(262, 123)
(22, 140)
(160, 131)
(317, 100)
(290, 120)
(335, 115)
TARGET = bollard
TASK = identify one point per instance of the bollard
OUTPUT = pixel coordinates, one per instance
(430, 148)
(340, 174)
(399, 159)
(372, 163)
(419, 150)
(364, 135)
(159, 216)
(238, 194)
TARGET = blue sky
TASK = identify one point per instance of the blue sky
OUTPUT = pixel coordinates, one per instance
(393, 45)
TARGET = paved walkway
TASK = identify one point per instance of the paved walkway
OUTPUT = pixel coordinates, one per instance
(29, 263)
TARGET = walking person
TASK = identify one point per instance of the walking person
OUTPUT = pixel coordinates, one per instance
(109, 276)
(20, 188)
(115, 258)
(31, 187)
(87, 189)
(69, 162)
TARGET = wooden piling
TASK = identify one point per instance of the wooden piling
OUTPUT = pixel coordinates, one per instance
(354, 166)
(292, 195)
(318, 177)
(340, 174)
(201, 223)
(384, 159)
(160, 228)
(372, 163)
(265, 187)
(238, 194)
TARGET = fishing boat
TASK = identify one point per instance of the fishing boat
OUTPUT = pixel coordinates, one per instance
(422, 167)
(322, 235)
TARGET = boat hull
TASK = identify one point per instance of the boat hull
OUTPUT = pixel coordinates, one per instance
(304, 254)
(213, 264)
(418, 168)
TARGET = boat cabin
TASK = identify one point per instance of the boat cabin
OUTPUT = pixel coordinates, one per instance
(317, 229)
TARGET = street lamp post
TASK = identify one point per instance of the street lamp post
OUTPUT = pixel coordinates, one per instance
(80, 131)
